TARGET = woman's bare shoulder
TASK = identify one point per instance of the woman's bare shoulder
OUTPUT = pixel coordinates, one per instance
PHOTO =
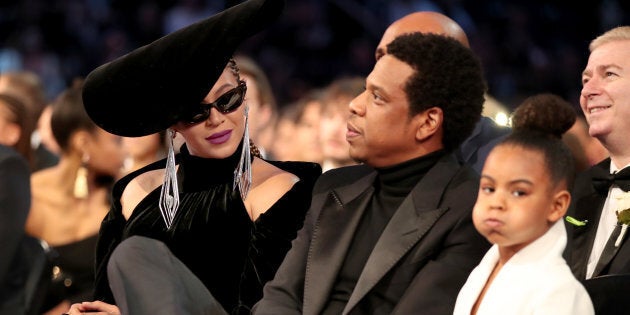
(265, 173)
(138, 188)
(269, 184)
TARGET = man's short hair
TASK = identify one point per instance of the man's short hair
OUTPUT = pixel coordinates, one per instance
(447, 75)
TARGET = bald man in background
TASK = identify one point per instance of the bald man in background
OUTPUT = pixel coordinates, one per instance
(487, 133)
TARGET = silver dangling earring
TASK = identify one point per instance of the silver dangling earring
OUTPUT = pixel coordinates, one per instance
(243, 172)
(169, 195)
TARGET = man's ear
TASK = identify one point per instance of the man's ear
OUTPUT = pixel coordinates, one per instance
(560, 205)
(429, 123)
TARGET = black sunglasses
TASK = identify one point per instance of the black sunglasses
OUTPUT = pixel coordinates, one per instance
(226, 103)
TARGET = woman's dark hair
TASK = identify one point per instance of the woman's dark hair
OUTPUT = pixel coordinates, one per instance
(69, 115)
(538, 124)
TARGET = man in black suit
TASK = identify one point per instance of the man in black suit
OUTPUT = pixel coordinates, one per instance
(597, 246)
(394, 235)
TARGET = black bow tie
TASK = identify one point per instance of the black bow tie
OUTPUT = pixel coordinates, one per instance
(602, 180)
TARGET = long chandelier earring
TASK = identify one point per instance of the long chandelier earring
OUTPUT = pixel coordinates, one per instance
(169, 195)
(243, 172)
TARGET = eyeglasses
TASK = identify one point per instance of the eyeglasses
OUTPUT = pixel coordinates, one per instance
(226, 103)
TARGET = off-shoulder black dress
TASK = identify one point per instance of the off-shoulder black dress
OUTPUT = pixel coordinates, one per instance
(212, 233)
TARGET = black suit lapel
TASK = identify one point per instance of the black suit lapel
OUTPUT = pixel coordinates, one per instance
(588, 206)
(609, 252)
(413, 219)
(333, 233)
(405, 229)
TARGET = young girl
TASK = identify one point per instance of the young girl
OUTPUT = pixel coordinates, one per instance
(523, 195)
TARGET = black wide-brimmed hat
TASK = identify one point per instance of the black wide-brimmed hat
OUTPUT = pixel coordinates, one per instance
(150, 88)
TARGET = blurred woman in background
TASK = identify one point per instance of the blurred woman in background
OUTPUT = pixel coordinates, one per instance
(69, 200)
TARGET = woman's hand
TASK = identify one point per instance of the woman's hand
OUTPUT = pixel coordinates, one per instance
(93, 308)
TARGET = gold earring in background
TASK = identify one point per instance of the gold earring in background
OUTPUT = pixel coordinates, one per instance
(80, 182)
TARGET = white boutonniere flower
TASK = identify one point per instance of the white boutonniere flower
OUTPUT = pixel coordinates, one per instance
(623, 215)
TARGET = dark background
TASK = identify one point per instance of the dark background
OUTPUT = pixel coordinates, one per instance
(526, 47)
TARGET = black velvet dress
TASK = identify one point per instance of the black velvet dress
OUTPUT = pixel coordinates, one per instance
(73, 273)
(212, 233)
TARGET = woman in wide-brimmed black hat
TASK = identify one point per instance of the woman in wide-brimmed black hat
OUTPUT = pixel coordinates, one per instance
(226, 213)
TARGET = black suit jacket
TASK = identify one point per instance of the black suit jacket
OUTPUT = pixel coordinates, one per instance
(15, 203)
(587, 204)
(424, 254)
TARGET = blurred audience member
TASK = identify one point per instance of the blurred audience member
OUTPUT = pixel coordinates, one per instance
(334, 121)
(307, 129)
(15, 199)
(261, 102)
(18, 252)
(142, 151)
(283, 148)
(70, 199)
(45, 136)
(587, 150)
(27, 88)
(297, 130)
(14, 126)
